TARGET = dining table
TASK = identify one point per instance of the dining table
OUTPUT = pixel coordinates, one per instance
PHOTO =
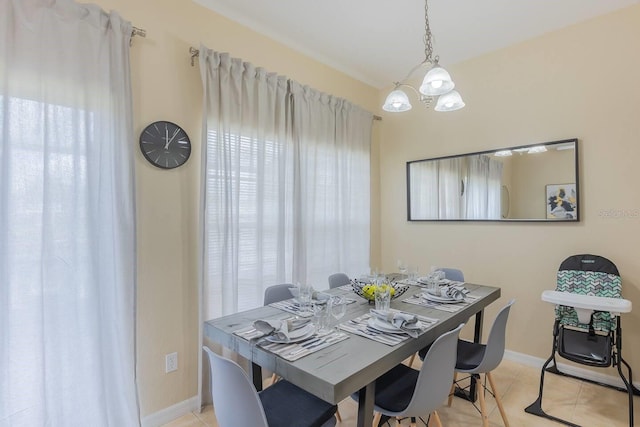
(351, 365)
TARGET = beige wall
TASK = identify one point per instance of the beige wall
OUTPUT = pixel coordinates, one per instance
(542, 90)
(579, 82)
(166, 87)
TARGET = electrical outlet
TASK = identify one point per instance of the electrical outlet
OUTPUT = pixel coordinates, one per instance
(171, 362)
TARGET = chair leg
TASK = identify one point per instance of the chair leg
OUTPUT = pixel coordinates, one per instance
(413, 356)
(376, 418)
(453, 388)
(274, 378)
(437, 418)
(497, 397)
(483, 405)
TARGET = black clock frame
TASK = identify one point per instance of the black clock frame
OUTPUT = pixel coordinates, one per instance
(165, 144)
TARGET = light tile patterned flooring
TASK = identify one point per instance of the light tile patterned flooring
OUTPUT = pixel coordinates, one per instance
(580, 402)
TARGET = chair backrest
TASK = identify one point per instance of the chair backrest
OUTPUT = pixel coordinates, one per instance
(494, 350)
(235, 400)
(588, 275)
(434, 379)
(453, 274)
(277, 293)
(338, 279)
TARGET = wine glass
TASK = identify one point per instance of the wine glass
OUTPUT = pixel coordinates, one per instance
(338, 308)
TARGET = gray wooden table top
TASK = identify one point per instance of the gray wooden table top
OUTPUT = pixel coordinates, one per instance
(335, 372)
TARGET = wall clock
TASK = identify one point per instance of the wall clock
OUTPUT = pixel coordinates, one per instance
(165, 144)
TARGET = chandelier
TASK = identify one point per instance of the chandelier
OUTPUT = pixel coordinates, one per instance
(437, 82)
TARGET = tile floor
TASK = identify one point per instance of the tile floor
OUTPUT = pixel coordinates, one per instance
(577, 401)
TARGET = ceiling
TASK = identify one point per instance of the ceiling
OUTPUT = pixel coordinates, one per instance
(379, 41)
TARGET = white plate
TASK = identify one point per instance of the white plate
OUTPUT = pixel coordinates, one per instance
(383, 326)
(296, 335)
(441, 299)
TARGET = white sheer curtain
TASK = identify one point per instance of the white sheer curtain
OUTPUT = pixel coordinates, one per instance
(450, 188)
(248, 188)
(286, 184)
(483, 187)
(332, 139)
(67, 217)
(424, 190)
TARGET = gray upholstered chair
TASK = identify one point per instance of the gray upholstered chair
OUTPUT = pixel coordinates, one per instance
(477, 359)
(338, 279)
(237, 403)
(407, 392)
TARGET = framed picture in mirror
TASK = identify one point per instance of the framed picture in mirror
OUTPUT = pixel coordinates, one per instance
(561, 201)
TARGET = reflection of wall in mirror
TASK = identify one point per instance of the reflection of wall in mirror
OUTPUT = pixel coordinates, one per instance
(534, 172)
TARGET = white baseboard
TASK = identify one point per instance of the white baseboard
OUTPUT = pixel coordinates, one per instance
(171, 413)
(536, 362)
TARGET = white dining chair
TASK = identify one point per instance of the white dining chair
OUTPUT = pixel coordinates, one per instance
(407, 392)
(477, 359)
(237, 403)
(338, 279)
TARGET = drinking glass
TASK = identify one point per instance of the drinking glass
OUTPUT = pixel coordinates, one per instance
(321, 318)
(305, 292)
(402, 267)
(338, 308)
(383, 298)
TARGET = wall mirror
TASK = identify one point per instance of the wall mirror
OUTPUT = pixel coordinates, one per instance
(537, 182)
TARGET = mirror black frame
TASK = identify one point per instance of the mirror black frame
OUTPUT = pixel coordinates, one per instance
(515, 148)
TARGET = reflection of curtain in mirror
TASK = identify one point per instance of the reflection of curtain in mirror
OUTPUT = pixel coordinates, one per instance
(450, 188)
(483, 188)
(424, 194)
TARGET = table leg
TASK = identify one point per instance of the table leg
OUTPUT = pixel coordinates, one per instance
(365, 405)
(477, 337)
(256, 376)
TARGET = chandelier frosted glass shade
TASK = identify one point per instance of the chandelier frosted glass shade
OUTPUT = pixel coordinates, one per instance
(396, 102)
(450, 101)
(436, 82)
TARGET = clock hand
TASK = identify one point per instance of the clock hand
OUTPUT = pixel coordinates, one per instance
(166, 137)
(173, 136)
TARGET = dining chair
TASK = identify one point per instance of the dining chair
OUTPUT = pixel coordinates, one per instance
(476, 359)
(237, 403)
(407, 392)
(277, 293)
(453, 274)
(449, 274)
(338, 279)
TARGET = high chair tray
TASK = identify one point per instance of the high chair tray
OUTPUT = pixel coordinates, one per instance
(613, 305)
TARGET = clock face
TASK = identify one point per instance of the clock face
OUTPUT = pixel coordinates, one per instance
(165, 144)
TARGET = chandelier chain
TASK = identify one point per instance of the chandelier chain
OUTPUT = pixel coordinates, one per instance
(428, 44)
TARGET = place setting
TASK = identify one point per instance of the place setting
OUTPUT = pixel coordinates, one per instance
(303, 301)
(389, 327)
(448, 297)
(297, 337)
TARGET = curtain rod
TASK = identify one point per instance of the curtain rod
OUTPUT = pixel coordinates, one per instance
(196, 52)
